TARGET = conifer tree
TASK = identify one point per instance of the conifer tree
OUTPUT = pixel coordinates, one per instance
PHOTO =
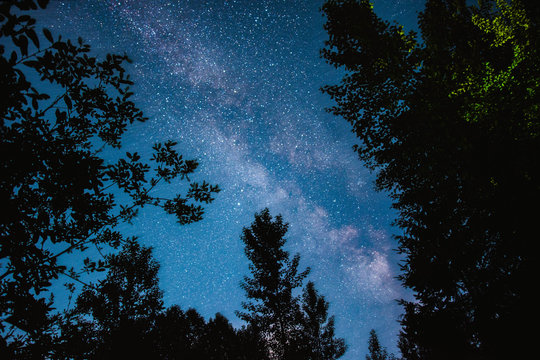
(272, 309)
(376, 350)
(317, 338)
(292, 327)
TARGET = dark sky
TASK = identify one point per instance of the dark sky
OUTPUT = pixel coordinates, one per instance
(236, 83)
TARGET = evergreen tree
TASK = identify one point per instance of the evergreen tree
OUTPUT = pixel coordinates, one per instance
(291, 327)
(317, 336)
(450, 122)
(273, 308)
(376, 350)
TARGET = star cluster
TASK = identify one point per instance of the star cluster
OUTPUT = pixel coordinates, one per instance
(236, 83)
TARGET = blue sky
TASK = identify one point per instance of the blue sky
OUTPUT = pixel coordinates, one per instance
(236, 83)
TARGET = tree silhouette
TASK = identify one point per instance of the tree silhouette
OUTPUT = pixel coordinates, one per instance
(273, 308)
(288, 328)
(376, 350)
(60, 108)
(317, 339)
(122, 307)
(222, 342)
(123, 317)
(181, 335)
(186, 336)
(450, 125)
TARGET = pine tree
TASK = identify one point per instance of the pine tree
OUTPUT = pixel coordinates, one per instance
(273, 308)
(317, 335)
(376, 350)
(292, 327)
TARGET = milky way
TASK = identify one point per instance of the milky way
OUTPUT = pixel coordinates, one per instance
(236, 83)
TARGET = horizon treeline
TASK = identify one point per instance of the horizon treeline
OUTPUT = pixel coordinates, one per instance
(123, 316)
(447, 118)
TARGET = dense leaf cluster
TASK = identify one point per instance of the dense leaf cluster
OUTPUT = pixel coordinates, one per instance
(450, 122)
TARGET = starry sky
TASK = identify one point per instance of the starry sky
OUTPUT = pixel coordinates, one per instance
(236, 84)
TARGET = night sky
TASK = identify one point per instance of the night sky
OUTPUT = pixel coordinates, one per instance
(236, 83)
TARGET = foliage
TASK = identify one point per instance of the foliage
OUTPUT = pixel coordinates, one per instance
(118, 309)
(221, 341)
(123, 317)
(450, 123)
(290, 329)
(60, 110)
(178, 333)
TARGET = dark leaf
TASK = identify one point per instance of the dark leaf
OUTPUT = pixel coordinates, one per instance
(67, 100)
(32, 63)
(22, 43)
(13, 58)
(43, 3)
(32, 35)
(48, 35)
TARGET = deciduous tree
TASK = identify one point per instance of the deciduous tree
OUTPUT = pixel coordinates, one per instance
(61, 110)
(116, 317)
(450, 123)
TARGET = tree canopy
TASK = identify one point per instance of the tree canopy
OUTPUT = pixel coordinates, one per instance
(122, 316)
(124, 306)
(60, 109)
(449, 121)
